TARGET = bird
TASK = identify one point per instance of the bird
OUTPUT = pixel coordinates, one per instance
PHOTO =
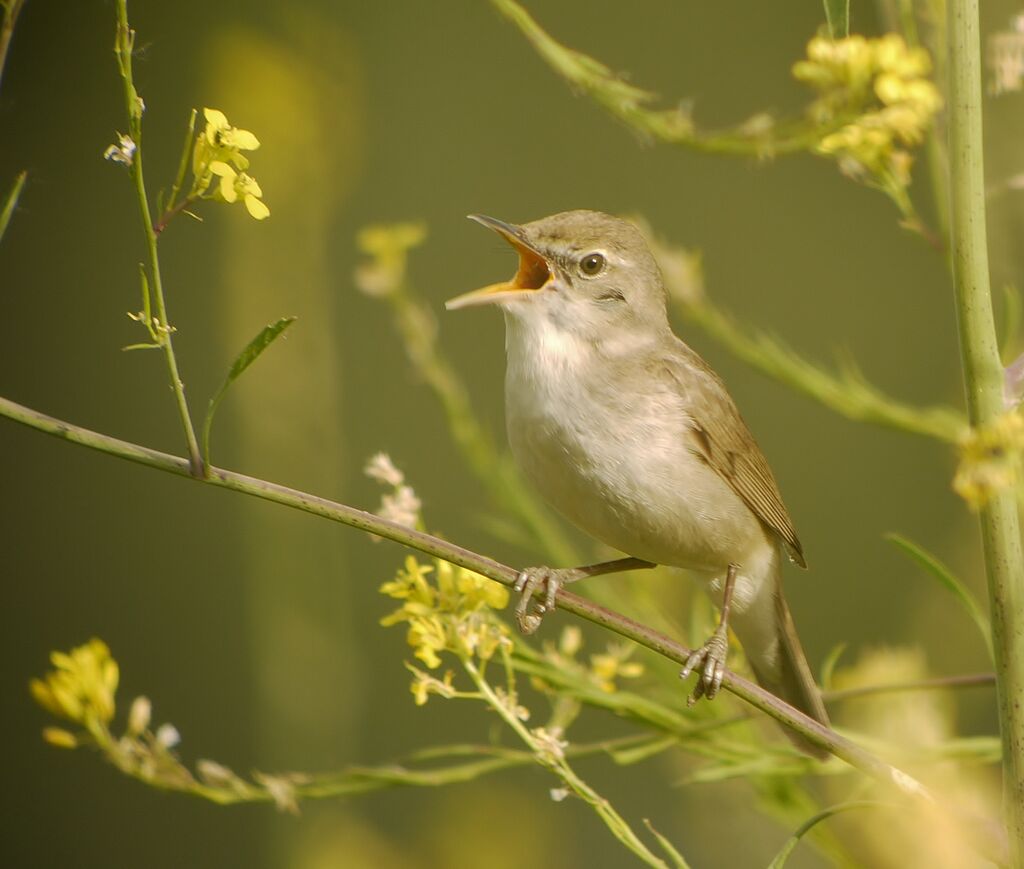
(630, 435)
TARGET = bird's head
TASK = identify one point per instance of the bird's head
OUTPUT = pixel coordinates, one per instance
(581, 271)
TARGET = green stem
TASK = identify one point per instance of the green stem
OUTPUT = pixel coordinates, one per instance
(554, 760)
(983, 379)
(11, 9)
(123, 48)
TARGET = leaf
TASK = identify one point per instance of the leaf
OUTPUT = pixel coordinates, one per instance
(837, 14)
(829, 664)
(673, 854)
(141, 347)
(250, 354)
(948, 581)
(806, 826)
(11, 202)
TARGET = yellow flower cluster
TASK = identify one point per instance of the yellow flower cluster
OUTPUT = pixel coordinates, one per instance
(879, 92)
(452, 611)
(990, 459)
(81, 689)
(218, 154)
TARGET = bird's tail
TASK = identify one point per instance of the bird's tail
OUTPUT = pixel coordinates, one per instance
(770, 642)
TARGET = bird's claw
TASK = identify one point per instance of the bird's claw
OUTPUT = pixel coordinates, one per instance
(528, 583)
(709, 663)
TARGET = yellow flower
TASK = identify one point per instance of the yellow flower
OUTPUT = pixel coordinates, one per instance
(220, 134)
(447, 609)
(237, 184)
(990, 459)
(880, 93)
(82, 686)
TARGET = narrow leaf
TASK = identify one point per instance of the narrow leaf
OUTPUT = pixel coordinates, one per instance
(11, 202)
(673, 854)
(948, 581)
(250, 354)
(141, 347)
(829, 665)
(806, 826)
(147, 311)
(837, 14)
(256, 347)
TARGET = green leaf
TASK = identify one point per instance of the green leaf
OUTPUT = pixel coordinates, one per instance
(829, 665)
(141, 347)
(250, 354)
(806, 826)
(673, 854)
(949, 581)
(837, 14)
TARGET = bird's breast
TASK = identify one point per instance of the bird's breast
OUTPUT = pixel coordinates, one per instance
(612, 458)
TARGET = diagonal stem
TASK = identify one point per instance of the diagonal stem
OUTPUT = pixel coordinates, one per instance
(753, 694)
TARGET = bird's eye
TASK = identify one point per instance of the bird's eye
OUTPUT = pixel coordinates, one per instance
(592, 264)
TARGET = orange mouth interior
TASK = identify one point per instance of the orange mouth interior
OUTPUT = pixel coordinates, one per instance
(533, 271)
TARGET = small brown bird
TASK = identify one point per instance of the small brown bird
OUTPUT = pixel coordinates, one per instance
(632, 436)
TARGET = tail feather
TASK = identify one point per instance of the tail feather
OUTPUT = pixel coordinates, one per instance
(773, 649)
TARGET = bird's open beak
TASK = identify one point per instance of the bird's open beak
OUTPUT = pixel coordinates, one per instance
(532, 275)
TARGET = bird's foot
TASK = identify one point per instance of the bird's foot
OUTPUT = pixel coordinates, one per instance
(709, 663)
(532, 580)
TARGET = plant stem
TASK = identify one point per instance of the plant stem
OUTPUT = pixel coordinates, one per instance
(983, 379)
(133, 104)
(11, 8)
(555, 761)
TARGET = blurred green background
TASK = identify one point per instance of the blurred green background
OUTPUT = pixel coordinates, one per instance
(254, 629)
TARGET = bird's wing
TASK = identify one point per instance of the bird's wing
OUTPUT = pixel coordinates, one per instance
(718, 434)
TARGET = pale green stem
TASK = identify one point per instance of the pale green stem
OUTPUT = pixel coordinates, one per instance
(125, 39)
(983, 379)
(554, 760)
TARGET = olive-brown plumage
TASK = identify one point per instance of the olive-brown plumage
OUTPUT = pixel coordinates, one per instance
(633, 437)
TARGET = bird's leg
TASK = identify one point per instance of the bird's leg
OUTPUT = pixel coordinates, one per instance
(531, 579)
(709, 659)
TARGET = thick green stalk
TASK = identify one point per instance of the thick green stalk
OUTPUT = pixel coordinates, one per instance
(983, 378)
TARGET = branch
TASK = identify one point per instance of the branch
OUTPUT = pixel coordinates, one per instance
(435, 546)
(986, 839)
(983, 379)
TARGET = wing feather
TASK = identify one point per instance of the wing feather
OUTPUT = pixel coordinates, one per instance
(721, 438)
